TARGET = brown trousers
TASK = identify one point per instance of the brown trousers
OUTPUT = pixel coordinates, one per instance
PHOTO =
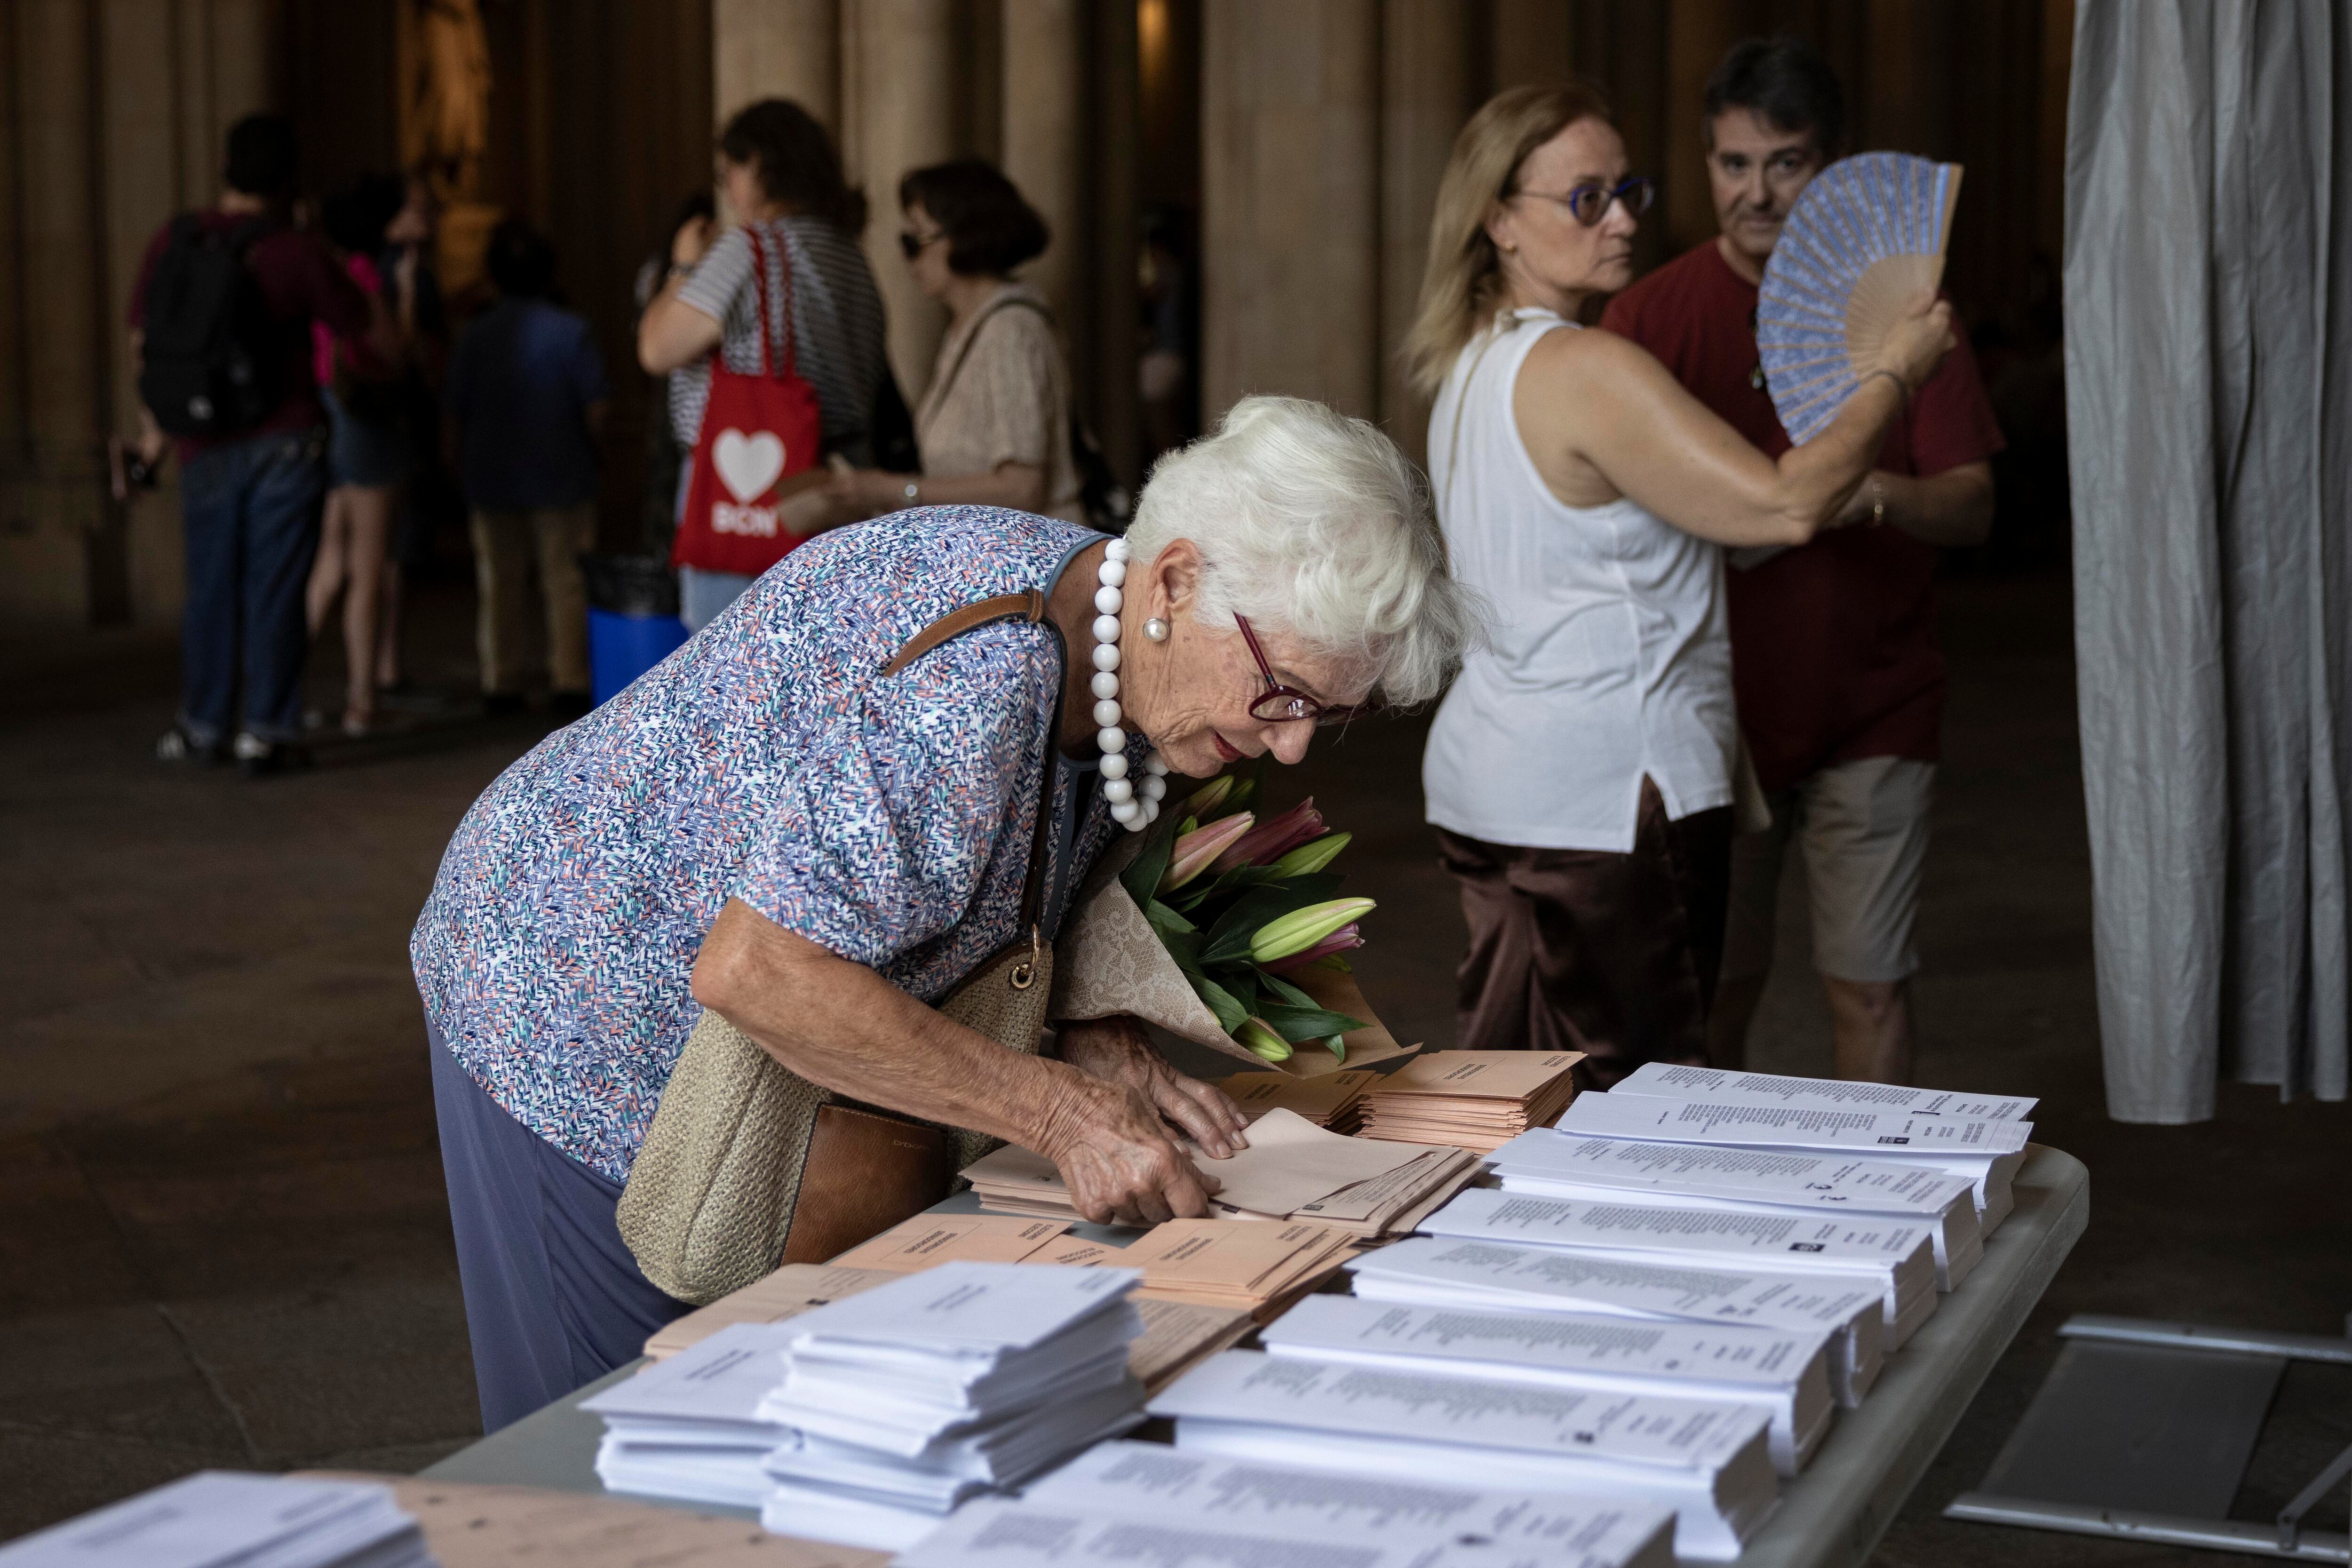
(1578, 950)
(507, 544)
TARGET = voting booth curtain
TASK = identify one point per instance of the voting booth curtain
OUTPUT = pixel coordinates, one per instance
(2208, 397)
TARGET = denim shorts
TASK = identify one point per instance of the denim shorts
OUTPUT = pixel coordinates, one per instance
(364, 451)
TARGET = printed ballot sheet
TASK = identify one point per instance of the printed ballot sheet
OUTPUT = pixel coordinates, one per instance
(1569, 1166)
(470, 1526)
(1863, 1133)
(216, 1517)
(977, 1311)
(1898, 1257)
(717, 1384)
(1819, 1093)
(1707, 1461)
(1486, 1275)
(1147, 1483)
(1783, 1374)
(1026, 1534)
(928, 1238)
(795, 1288)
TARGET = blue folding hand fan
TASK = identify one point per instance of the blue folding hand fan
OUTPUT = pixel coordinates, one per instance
(1864, 237)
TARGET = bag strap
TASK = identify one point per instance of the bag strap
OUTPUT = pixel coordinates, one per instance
(784, 315)
(971, 335)
(1030, 606)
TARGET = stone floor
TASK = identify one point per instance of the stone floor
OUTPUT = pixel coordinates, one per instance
(222, 1232)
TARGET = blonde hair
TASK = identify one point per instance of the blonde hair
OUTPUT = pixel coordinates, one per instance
(1463, 275)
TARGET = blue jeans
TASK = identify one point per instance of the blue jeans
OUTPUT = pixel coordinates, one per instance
(702, 594)
(250, 512)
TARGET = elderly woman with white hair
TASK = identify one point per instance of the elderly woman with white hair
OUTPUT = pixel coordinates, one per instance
(819, 817)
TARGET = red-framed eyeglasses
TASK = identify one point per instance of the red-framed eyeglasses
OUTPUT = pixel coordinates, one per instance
(1281, 704)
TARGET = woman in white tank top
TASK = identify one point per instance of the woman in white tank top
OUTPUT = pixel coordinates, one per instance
(1580, 774)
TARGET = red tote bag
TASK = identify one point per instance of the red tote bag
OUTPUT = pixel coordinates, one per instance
(758, 431)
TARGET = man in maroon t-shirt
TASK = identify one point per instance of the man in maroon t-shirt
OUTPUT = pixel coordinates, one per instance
(249, 500)
(1834, 662)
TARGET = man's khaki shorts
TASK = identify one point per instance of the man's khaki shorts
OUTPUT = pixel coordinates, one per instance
(1862, 829)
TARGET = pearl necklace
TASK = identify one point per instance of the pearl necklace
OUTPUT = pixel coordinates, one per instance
(1133, 802)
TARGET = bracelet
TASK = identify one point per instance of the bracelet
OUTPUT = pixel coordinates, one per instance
(1901, 387)
(914, 492)
(1877, 503)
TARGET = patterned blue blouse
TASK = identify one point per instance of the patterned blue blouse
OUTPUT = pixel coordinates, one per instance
(889, 820)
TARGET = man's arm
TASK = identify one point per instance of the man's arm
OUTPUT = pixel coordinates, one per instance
(1953, 509)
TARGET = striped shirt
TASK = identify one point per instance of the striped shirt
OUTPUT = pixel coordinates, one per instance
(836, 330)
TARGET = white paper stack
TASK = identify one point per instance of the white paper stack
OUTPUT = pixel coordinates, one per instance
(214, 1519)
(1987, 1153)
(1691, 1175)
(689, 1427)
(1205, 1510)
(1430, 1271)
(1820, 1093)
(910, 1398)
(1784, 1376)
(1899, 1258)
(1708, 1462)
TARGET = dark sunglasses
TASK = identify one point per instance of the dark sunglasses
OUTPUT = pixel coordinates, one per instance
(911, 245)
(1589, 204)
(1281, 703)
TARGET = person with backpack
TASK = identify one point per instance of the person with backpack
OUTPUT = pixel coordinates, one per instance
(995, 423)
(774, 335)
(220, 331)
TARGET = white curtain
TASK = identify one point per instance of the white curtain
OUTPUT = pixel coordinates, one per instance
(2209, 364)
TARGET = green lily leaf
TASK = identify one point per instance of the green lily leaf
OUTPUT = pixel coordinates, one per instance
(1240, 877)
(1142, 877)
(1229, 1009)
(1336, 1047)
(1299, 1023)
(1284, 988)
(1166, 920)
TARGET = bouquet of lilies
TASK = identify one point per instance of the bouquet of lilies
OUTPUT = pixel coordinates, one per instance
(1248, 911)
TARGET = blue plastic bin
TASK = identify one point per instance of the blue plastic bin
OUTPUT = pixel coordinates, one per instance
(622, 647)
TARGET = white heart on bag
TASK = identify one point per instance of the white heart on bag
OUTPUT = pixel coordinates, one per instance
(748, 465)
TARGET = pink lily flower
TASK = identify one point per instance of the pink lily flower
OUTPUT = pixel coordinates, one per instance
(1271, 840)
(1190, 854)
(1341, 940)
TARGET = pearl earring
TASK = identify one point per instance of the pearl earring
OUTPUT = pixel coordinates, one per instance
(1156, 629)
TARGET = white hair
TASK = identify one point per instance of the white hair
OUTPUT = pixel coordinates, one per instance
(1314, 524)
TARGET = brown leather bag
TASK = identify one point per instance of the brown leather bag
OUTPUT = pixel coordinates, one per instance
(747, 1166)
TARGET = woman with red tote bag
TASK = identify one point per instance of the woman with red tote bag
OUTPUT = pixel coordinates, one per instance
(758, 431)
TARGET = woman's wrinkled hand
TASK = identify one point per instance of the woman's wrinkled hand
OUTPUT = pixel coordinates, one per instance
(1120, 1162)
(1117, 1051)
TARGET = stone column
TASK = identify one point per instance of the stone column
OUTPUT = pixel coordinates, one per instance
(1427, 90)
(776, 48)
(905, 101)
(1044, 42)
(1290, 194)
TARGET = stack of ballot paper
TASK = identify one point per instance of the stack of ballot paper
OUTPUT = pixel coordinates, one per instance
(912, 1396)
(1194, 1508)
(1292, 1169)
(933, 1239)
(1257, 1270)
(1707, 1462)
(1472, 1100)
(1177, 1330)
(1846, 1312)
(1987, 1153)
(217, 1516)
(1558, 1164)
(1899, 1259)
(1331, 1100)
(1820, 1093)
(1784, 1376)
(689, 1427)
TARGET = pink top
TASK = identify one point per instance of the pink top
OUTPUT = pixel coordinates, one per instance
(322, 340)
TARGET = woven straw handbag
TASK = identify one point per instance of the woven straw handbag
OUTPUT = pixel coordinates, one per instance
(747, 1166)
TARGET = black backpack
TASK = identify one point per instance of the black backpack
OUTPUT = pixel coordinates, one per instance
(208, 363)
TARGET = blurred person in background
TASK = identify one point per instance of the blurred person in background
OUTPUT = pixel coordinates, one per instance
(527, 400)
(220, 335)
(782, 182)
(430, 495)
(995, 423)
(1580, 773)
(665, 456)
(369, 454)
(1835, 664)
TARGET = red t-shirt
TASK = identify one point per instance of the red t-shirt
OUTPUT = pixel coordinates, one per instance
(1833, 654)
(302, 282)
